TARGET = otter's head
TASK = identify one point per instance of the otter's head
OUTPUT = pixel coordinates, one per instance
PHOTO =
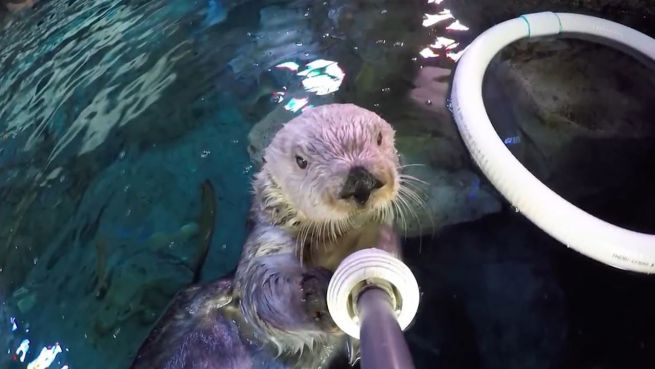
(334, 162)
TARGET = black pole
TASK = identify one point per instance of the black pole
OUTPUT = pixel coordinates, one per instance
(382, 341)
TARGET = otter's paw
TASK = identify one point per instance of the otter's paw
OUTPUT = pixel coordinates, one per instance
(314, 286)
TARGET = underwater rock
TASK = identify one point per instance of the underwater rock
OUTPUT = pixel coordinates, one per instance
(431, 87)
(24, 298)
(580, 88)
(566, 105)
(449, 196)
(188, 230)
(494, 299)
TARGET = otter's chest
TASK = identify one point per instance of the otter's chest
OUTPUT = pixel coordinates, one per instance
(330, 254)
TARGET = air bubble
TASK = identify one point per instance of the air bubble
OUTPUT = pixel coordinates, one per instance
(449, 104)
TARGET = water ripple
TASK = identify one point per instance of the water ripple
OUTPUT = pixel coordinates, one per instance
(84, 71)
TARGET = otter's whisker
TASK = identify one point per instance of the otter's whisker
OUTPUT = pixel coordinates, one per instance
(413, 196)
(308, 231)
(410, 165)
(318, 232)
(329, 230)
(402, 201)
(325, 233)
(421, 191)
(421, 205)
(420, 224)
(412, 178)
(337, 227)
(410, 197)
(406, 201)
(400, 215)
(334, 229)
(315, 232)
(300, 244)
(415, 183)
(347, 224)
(382, 214)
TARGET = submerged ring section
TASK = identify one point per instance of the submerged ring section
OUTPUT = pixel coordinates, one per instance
(602, 241)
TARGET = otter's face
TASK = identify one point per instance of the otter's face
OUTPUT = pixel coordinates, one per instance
(335, 161)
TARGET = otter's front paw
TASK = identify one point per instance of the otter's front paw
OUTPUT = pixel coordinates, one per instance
(314, 286)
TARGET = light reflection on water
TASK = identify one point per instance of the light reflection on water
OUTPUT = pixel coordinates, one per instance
(83, 55)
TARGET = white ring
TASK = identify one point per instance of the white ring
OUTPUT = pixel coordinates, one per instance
(593, 237)
(370, 264)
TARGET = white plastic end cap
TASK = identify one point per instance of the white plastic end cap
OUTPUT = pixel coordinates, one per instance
(370, 265)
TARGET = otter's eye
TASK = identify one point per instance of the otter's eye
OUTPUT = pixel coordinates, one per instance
(302, 163)
(379, 138)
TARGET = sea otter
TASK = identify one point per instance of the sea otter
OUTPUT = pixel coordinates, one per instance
(329, 178)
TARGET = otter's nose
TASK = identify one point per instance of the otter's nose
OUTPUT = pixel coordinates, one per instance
(359, 185)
